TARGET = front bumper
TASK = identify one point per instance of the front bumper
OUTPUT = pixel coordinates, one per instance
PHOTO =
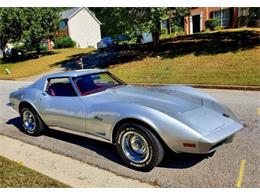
(209, 142)
(216, 139)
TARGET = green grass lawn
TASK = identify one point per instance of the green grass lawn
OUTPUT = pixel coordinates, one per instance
(15, 175)
(239, 68)
(226, 57)
(40, 65)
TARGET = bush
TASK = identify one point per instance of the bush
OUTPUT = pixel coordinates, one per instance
(178, 30)
(64, 42)
(212, 23)
(43, 48)
(164, 31)
(219, 27)
(207, 30)
(243, 21)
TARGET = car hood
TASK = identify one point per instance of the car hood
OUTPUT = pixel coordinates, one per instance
(165, 100)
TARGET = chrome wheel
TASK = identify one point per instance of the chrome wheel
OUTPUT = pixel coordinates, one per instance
(29, 121)
(135, 147)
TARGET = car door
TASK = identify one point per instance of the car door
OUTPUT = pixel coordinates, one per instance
(61, 106)
(92, 89)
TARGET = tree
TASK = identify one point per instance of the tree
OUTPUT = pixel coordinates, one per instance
(114, 21)
(129, 20)
(11, 20)
(39, 24)
(149, 19)
(254, 12)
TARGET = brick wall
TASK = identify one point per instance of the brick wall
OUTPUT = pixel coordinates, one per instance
(206, 13)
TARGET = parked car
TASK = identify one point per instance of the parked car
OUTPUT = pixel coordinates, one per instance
(141, 121)
(105, 43)
(13, 52)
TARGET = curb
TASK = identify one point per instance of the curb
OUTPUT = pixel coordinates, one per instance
(59, 167)
(7, 79)
(205, 86)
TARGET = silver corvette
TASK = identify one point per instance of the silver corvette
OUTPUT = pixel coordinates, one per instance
(141, 121)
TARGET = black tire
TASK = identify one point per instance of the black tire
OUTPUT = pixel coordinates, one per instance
(156, 151)
(39, 125)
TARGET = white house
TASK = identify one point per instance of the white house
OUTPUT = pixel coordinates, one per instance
(82, 26)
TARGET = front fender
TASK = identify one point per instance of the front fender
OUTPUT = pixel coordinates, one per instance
(171, 131)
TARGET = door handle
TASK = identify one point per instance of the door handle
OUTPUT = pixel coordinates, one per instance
(43, 93)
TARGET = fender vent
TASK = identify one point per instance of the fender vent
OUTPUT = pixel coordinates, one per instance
(225, 115)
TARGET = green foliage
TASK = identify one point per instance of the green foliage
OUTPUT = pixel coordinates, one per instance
(27, 25)
(212, 23)
(64, 42)
(115, 21)
(43, 48)
(243, 21)
(207, 30)
(219, 27)
(164, 31)
(127, 21)
(166, 36)
(39, 24)
(10, 26)
(178, 29)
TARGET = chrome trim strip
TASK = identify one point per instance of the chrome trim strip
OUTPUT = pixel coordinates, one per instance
(96, 137)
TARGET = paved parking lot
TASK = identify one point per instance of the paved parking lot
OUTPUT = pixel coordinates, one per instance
(223, 169)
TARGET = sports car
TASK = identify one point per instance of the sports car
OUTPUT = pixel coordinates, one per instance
(143, 122)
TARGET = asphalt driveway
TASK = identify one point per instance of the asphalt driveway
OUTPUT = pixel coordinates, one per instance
(183, 170)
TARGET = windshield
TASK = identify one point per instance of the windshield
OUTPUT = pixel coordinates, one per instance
(93, 83)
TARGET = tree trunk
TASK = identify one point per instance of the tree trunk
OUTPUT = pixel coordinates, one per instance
(169, 26)
(156, 38)
(156, 34)
(38, 50)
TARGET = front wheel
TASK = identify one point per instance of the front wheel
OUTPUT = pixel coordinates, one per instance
(138, 147)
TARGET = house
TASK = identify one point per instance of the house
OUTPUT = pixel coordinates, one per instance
(81, 25)
(199, 15)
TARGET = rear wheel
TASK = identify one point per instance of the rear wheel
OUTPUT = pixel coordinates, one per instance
(138, 147)
(32, 123)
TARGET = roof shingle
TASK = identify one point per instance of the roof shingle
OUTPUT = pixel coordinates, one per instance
(66, 14)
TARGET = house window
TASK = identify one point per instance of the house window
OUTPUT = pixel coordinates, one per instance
(63, 25)
(217, 14)
(164, 24)
(223, 16)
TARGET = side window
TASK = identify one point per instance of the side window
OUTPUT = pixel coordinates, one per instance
(60, 87)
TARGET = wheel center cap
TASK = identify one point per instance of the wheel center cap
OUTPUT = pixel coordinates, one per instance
(136, 145)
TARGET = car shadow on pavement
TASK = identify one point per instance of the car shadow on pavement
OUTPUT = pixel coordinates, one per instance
(171, 160)
(182, 160)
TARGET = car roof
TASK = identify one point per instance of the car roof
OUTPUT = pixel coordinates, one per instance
(75, 73)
